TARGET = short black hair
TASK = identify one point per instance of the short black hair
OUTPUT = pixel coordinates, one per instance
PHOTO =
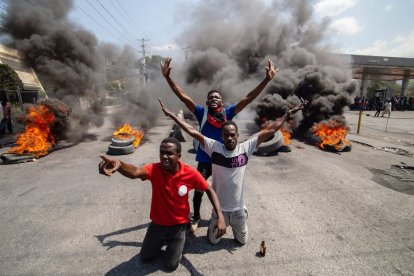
(214, 91)
(230, 123)
(172, 140)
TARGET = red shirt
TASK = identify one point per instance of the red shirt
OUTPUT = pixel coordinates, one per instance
(168, 207)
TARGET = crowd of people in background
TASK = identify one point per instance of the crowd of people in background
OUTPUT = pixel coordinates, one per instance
(398, 103)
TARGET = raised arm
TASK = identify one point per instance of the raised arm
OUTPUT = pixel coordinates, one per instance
(182, 124)
(166, 70)
(274, 126)
(270, 74)
(108, 166)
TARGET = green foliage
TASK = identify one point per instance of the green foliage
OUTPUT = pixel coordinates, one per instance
(9, 78)
(154, 59)
(375, 85)
(153, 62)
(410, 90)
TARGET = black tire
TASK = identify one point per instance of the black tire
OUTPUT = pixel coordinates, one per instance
(122, 142)
(347, 148)
(115, 150)
(270, 145)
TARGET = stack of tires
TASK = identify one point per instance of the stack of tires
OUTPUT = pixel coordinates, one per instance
(121, 146)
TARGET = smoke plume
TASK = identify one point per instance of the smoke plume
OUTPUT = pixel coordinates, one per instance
(71, 64)
(231, 41)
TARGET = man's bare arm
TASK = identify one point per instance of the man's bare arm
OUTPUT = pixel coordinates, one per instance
(108, 166)
(221, 225)
(270, 74)
(274, 126)
(182, 124)
(166, 70)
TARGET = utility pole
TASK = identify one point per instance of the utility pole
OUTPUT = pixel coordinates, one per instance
(185, 49)
(144, 73)
(104, 72)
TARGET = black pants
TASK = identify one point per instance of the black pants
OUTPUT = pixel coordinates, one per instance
(157, 236)
(6, 123)
(205, 170)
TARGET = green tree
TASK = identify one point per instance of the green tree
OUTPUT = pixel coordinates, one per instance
(9, 78)
(375, 85)
(153, 62)
(410, 91)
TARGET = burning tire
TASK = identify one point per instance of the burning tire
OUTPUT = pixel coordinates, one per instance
(271, 145)
(122, 142)
(117, 150)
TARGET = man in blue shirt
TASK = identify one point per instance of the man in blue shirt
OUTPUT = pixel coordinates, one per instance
(211, 120)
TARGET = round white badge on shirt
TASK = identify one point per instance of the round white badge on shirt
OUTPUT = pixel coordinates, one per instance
(182, 190)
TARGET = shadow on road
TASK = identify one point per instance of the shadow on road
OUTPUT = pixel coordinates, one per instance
(134, 266)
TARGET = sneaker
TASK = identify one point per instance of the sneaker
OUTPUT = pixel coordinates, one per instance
(194, 224)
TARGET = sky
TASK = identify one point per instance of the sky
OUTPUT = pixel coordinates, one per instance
(367, 27)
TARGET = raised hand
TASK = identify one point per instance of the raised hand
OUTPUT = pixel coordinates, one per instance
(166, 111)
(108, 166)
(298, 107)
(270, 70)
(165, 67)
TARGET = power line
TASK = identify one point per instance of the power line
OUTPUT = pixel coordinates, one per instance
(102, 26)
(115, 20)
(129, 17)
(121, 14)
(133, 42)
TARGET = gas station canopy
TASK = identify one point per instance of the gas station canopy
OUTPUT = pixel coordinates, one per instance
(382, 68)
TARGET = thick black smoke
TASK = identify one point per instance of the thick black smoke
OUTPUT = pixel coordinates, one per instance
(71, 64)
(63, 55)
(61, 113)
(230, 42)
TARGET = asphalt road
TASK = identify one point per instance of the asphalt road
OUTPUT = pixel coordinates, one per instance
(320, 213)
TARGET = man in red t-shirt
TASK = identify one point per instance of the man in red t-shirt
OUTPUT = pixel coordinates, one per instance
(171, 182)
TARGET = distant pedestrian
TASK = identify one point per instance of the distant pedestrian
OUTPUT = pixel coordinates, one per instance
(378, 107)
(6, 122)
(387, 109)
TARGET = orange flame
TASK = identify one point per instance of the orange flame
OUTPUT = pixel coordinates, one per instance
(37, 138)
(126, 132)
(331, 133)
(286, 135)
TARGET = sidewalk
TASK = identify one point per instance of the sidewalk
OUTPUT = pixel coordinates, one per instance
(394, 133)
